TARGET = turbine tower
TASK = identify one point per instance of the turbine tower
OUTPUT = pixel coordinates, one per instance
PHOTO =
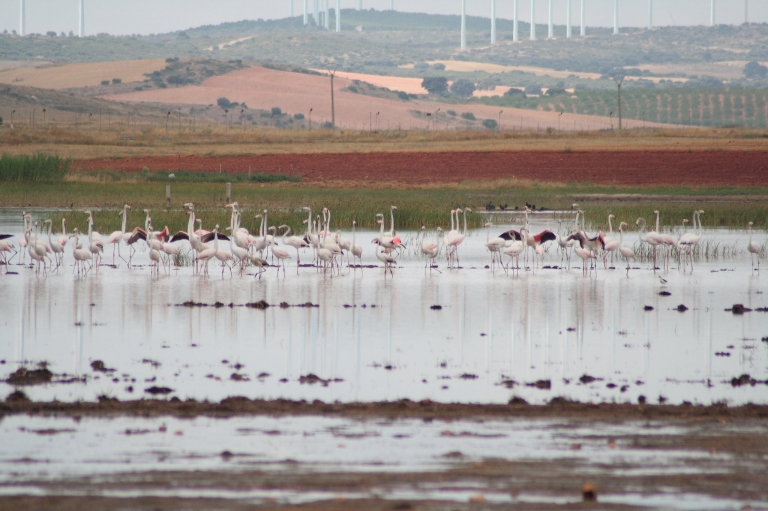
(650, 14)
(551, 30)
(463, 25)
(493, 21)
(338, 16)
(314, 12)
(615, 17)
(533, 20)
(291, 8)
(327, 20)
(712, 13)
(514, 22)
(583, 30)
(360, 5)
(391, 5)
(746, 11)
(568, 19)
(22, 17)
(81, 26)
(306, 3)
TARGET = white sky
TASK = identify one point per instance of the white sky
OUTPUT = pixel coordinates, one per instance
(157, 16)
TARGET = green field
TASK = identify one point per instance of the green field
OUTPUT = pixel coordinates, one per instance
(697, 107)
(416, 207)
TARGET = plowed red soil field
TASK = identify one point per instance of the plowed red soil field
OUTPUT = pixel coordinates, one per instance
(606, 167)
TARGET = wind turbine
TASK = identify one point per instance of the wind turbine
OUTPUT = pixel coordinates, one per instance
(615, 17)
(568, 19)
(712, 13)
(583, 30)
(493, 21)
(533, 20)
(22, 17)
(463, 25)
(338, 16)
(306, 4)
(650, 14)
(81, 26)
(515, 23)
(551, 28)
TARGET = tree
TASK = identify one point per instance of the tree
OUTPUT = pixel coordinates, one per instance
(463, 88)
(490, 124)
(435, 84)
(533, 90)
(225, 103)
(754, 69)
(514, 92)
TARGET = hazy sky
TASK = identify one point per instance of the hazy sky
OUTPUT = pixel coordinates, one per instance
(156, 16)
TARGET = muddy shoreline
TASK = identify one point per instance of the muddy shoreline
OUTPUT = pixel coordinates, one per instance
(402, 409)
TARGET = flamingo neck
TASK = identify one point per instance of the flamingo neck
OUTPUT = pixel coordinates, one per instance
(610, 225)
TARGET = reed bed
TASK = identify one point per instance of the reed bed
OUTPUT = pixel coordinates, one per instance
(37, 168)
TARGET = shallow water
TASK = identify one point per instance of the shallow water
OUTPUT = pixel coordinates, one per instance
(547, 324)
(125, 457)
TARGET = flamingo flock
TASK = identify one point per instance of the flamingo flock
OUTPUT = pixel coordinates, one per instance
(237, 248)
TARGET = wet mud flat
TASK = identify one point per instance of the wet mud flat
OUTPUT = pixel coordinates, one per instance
(251, 454)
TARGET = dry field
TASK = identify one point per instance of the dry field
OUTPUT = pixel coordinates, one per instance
(294, 92)
(66, 76)
(468, 67)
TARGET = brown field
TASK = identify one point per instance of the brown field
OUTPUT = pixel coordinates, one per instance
(66, 76)
(607, 167)
(294, 92)
(86, 142)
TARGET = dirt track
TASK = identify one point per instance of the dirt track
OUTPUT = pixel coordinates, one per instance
(609, 167)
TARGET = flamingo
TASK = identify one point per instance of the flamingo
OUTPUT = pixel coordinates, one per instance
(296, 242)
(94, 241)
(80, 254)
(117, 236)
(459, 238)
(753, 249)
(37, 251)
(494, 245)
(585, 255)
(431, 249)
(625, 251)
(384, 257)
(667, 241)
(63, 237)
(24, 240)
(281, 253)
(609, 243)
(6, 246)
(357, 250)
(56, 247)
(239, 253)
(324, 254)
(154, 254)
(514, 250)
(220, 254)
(690, 240)
(651, 238)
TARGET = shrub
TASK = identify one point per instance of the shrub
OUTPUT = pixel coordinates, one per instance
(403, 95)
(298, 117)
(421, 66)
(117, 81)
(176, 80)
(225, 103)
(463, 88)
(514, 92)
(468, 116)
(33, 169)
(435, 84)
(438, 66)
(555, 91)
(754, 69)
(452, 113)
(352, 88)
(276, 112)
(105, 82)
(490, 124)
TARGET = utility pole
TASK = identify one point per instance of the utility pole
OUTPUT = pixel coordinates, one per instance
(618, 77)
(332, 74)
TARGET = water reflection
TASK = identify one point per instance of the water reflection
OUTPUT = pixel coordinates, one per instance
(385, 342)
